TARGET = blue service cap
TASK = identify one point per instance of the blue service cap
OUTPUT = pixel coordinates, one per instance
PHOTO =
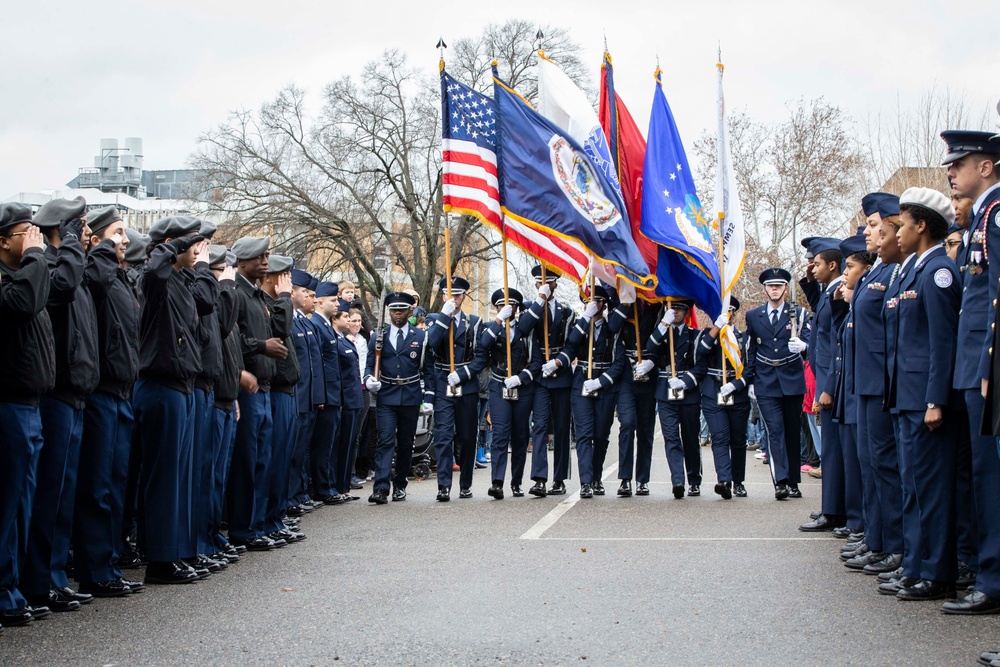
(965, 142)
(774, 276)
(600, 293)
(869, 203)
(313, 284)
(550, 275)
(301, 278)
(682, 303)
(888, 206)
(853, 244)
(459, 285)
(822, 244)
(515, 297)
(326, 288)
(734, 303)
(955, 228)
(399, 301)
(805, 244)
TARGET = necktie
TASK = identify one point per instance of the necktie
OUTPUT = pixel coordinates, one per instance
(399, 339)
(774, 317)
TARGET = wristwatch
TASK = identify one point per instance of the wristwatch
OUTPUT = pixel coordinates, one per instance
(931, 406)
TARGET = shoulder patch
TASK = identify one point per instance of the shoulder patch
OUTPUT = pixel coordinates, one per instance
(942, 278)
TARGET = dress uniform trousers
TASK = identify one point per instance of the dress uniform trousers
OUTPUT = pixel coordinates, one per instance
(966, 525)
(554, 403)
(853, 484)
(346, 448)
(784, 434)
(52, 516)
(986, 485)
(324, 438)
(681, 423)
(510, 431)
(298, 482)
(884, 517)
(456, 426)
(283, 435)
(728, 426)
(832, 461)
(397, 426)
(164, 418)
(246, 493)
(100, 491)
(21, 435)
(592, 420)
(223, 438)
(636, 428)
(202, 467)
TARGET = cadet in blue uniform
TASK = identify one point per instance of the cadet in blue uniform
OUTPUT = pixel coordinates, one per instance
(828, 318)
(262, 346)
(277, 287)
(163, 400)
(919, 386)
(973, 173)
(679, 418)
(552, 391)
(779, 379)
(352, 401)
(28, 357)
(726, 423)
(108, 419)
(595, 390)
(399, 350)
(509, 416)
(324, 439)
(310, 392)
(455, 418)
(636, 395)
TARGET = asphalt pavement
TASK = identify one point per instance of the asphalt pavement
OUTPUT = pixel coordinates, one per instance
(526, 581)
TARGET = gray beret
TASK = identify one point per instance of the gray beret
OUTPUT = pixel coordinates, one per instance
(231, 259)
(103, 218)
(250, 247)
(279, 264)
(57, 211)
(13, 214)
(216, 254)
(135, 251)
(173, 227)
(207, 228)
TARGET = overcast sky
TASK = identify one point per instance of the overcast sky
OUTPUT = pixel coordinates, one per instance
(75, 72)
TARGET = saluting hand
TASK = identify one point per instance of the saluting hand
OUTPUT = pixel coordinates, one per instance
(284, 283)
(228, 273)
(33, 239)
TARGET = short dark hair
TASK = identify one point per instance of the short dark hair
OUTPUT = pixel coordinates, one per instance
(340, 313)
(936, 225)
(832, 255)
(864, 257)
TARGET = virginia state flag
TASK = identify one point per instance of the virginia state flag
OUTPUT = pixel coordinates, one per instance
(672, 215)
(549, 184)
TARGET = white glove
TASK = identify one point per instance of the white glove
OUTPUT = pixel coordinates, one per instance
(373, 385)
(453, 379)
(505, 313)
(676, 383)
(722, 320)
(117, 238)
(644, 366)
(427, 407)
(752, 393)
(544, 292)
(590, 310)
(668, 317)
(590, 386)
(449, 307)
(550, 367)
(796, 345)
(727, 389)
(512, 381)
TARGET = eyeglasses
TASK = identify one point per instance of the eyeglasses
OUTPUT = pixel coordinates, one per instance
(16, 233)
(953, 243)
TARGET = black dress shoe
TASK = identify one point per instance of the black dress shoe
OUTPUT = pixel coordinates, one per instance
(625, 490)
(739, 490)
(557, 489)
(793, 491)
(896, 585)
(678, 491)
(356, 485)
(133, 586)
(724, 489)
(926, 590)
(815, 515)
(642, 489)
(379, 497)
(820, 525)
(201, 562)
(538, 489)
(130, 559)
(849, 551)
(288, 535)
(887, 564)
(53, 602)
(842, 532)
(444, 494)
(694, 490)
(966, 577)
(106, 589)
(398, 494)
(781, 493)
(496, 491)
(975, 603)
(334, 500)
(240, 548)
(986, 657)
(598, 487)
(861, 560)
(169, 573)
(256, 544)
(856, 537)
(516, 491)
(295, 510)
(11, 618)
(586, 491)
(465, 493)
(39, 612)
(69, 594)
(889, 576)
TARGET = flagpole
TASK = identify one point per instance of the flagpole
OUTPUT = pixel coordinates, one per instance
(545, 314)
(506, 296)
(670, 333)
(590, 350)
(451, 324)
(722, 288)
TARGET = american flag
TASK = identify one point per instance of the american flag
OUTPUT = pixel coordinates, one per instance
(470, 184)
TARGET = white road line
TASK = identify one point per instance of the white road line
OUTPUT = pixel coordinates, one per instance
(684, 539)
(549, 520)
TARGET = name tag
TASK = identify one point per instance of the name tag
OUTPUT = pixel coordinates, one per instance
(414, 344)
(850, 325)
(300, 335)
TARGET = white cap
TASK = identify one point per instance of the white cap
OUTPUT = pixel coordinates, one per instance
(930, 199)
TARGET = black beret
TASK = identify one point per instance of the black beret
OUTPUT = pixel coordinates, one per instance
(207, 230)
(279, 263)
(459, 285)
(498, 300)
(103, 218)
(13, 214)
(173, 227)
(250, 247)
(57, 211)
(135, 251)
